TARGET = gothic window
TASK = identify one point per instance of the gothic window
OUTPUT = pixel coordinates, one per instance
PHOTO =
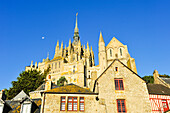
(59, 64)
(56, 65)
(120, 52)
(63, 104)
(110, 52)
(121, 106)
(52, 66)
(119, 84)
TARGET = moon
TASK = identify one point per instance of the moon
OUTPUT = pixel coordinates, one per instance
(42, 37)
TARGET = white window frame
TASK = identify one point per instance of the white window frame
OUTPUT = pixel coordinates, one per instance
(23, 106)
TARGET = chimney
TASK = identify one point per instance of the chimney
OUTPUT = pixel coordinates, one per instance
(48, 83)
(2, 95)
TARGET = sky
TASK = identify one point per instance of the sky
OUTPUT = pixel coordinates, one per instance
(142, 25)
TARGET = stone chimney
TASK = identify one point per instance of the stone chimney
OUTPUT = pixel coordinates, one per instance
(155, 76)
(2, 95)
(48, 83)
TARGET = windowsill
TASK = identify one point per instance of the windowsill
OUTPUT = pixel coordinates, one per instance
(119, 91)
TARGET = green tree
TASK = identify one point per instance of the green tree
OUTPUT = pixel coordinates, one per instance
(148, 79)
(28, 81)
(61, 81)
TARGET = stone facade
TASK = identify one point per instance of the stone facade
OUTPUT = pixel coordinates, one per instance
(76, 64)
(135, 92)
(50, 107)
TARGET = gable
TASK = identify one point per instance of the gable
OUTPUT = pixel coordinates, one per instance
(123, 68)
(114, 43)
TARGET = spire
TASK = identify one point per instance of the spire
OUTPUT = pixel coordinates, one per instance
(101, 37)
(76, 25)
(76, 33)
(61, 49)
(88, 51)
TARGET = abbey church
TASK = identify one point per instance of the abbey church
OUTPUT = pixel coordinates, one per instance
(113, 86)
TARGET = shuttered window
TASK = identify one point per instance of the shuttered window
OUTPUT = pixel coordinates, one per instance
(121, 107)
(63, 103)
(81, 103)
(119, 84)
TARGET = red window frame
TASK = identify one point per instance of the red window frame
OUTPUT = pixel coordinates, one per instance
(121, 106)
(80, 104)
(72, 103)
(165, 105)
(119, 84)
(61, 103)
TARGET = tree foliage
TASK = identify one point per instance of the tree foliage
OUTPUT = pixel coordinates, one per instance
(28, 81)
(150, 79)
(61, 81)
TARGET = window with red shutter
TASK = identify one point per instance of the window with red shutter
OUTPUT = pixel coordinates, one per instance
(81, 103)
(72, 104)
(121, 106)
(63, 104)
(119, 84)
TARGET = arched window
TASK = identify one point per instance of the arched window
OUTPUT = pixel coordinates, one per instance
(120, 52)
(110, 52)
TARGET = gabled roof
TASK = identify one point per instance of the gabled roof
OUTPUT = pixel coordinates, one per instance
(167, 80)
(110, 66)
(158, 89)
(70, 89)
(22, 95)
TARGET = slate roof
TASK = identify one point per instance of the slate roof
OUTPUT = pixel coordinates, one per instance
(158, 89)
(16, 105)
(42, 87)
(20, 96)
(70, 89)
(167, 80)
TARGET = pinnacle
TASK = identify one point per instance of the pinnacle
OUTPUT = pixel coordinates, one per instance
(101, 37)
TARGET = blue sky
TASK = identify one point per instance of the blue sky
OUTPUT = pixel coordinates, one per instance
(142, 25)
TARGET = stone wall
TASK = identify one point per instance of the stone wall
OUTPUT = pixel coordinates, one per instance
(53, 101)
(135, 91)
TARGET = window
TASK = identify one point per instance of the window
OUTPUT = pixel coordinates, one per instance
(165, 105)
(59, 64)
(110, 53)
(121, 107)
(72, 103)
(116, 69)
(52, 66)
(63, 103)
(120, 52)
(1, 108)
(56, 65)
(81, 103)
(26, 108)
(119, 84)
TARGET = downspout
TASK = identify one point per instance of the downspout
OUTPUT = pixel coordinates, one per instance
(43, 103)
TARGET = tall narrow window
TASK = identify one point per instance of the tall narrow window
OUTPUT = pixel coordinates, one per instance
(121, 107)
(52, 66)
(120, 52)
(81, 103)
(63, 104)
(110, 53)
(59, 64)
(119, 84)
(56, 65)
(26, 108)
(116, 69)
(72, 103)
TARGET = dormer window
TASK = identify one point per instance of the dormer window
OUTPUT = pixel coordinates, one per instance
(26, 108)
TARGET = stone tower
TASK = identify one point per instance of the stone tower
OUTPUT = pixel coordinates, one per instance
(102, 54)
